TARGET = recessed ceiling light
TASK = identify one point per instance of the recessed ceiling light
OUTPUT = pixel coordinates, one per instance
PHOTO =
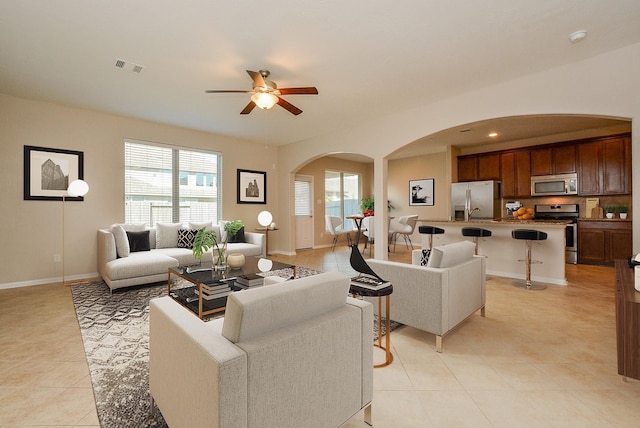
(577, 36)
(493, 134)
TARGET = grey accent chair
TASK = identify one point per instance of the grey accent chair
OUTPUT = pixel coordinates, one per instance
(288, 355)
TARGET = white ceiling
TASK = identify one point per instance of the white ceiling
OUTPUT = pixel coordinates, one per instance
(367, 58)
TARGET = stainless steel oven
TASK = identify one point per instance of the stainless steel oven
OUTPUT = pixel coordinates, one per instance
(569, 212)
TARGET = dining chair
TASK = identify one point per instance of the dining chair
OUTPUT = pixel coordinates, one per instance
(405, 227)
(336, 229)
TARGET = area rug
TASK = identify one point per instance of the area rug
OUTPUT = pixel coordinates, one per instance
(115, 332)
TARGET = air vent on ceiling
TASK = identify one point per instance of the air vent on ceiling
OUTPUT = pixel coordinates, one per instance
(129, 66)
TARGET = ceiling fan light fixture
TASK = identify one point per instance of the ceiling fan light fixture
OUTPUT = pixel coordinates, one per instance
(264, 100)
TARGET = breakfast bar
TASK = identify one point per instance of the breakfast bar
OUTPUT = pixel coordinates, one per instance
(503, 252)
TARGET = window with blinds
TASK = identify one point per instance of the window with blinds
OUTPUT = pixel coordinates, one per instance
(302, 197)
(168, 184)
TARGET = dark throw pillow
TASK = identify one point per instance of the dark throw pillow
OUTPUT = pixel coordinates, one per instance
(186, 237)
(238, 237)
(139, 241)
(425, 257)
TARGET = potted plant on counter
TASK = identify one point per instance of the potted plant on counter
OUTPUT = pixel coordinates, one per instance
(623, 210)
(609, 211)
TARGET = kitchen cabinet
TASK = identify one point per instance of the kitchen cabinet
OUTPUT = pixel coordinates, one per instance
(602, 242)
(604, 167)
(479, 167)
(627, 321)
(515, 174)
(489, 166)
(559, 159)
(467, 168)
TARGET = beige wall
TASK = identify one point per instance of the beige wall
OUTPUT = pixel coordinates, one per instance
(32, 230)
(316, 169)
(417, 168)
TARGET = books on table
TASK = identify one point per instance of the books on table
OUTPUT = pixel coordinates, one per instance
(369, 282)
(214, 290)
(250, 280)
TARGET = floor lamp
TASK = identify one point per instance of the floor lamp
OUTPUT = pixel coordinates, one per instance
(77, 188)
(264, 220)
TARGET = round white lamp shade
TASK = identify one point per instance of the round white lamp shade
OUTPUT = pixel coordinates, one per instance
(265, 218)
(265, 265)
(78, 188)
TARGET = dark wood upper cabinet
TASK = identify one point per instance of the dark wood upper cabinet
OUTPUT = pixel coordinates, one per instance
(541, 163)
(554, 160)
(489, 166)
(564, 159)
(467, 168)
(515, 174)
(589, 168)
(604, 167)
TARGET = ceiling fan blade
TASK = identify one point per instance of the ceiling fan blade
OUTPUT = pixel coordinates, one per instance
(230, 91)
(289, 107)
(257, 79)
(295, 91)
(248, 108)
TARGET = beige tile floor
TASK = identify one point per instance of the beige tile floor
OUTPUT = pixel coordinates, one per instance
(544, 358)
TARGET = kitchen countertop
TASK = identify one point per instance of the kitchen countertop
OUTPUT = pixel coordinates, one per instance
(503, 252)
(606, 219)
(505, 221)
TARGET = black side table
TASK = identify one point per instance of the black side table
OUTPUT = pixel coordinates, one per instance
(386, 292)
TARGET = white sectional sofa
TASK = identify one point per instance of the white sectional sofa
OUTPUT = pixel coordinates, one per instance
(441, 295)
(293, 354)
(121, 262)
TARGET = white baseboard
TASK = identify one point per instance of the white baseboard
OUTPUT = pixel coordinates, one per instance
(54, 280)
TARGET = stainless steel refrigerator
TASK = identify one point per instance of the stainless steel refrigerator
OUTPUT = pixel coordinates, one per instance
(476, 200)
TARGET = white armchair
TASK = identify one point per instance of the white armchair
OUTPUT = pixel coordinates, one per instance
(438, 297)
(297, 353)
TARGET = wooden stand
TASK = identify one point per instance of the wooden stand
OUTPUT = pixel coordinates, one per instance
(627, 321)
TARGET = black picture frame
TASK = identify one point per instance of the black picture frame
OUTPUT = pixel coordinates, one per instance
(252, 187)
(421, 192)
(48, 172)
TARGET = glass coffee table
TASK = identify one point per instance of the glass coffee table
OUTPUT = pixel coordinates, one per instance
(204, 290)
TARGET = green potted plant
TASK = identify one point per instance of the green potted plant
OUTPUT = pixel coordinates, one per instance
(208, 239)
(367, 206)
(623, 210)
(609, 211)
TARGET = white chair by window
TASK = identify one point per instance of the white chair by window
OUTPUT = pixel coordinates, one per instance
(405, 227)
(368, 223)
(336, 228)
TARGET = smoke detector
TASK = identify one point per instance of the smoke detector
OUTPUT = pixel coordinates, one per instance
(577, 36)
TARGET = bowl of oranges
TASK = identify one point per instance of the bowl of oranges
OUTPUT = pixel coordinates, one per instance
(523, 214)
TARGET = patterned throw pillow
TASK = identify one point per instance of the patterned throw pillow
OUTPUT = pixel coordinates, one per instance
(425, 257)
(186, 237)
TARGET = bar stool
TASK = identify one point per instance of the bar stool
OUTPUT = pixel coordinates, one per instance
(529, 235)
(475, 232)
(430, 230)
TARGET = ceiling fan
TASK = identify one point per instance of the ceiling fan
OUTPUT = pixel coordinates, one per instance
(265, 93)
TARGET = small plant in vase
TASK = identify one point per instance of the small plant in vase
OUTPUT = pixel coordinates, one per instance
(609, 211)
(208, 239)
(623, 210)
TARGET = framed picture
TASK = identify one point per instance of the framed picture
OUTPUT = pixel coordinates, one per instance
(48, 172)
(421, 192)
(252, 187)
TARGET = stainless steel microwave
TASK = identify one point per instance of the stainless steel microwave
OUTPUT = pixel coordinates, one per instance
(552, 185)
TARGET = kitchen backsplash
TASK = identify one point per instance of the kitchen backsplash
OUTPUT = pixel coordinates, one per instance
(580, 200)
